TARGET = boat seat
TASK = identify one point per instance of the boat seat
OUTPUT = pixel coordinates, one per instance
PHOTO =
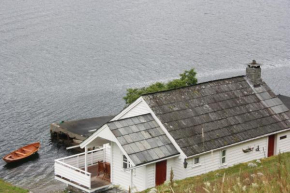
(20, 153)
(26, 149)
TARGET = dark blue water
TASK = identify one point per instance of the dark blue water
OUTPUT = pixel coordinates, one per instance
(68, 59)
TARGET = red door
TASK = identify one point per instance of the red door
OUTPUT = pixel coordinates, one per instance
(160, 175)
(271, 144)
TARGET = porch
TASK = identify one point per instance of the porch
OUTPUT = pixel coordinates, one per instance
(81, 170)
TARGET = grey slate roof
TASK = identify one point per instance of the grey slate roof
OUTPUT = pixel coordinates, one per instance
(227, 111)
(285, 100)
(142, 139)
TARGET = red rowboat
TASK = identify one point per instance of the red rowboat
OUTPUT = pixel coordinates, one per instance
(22, 152)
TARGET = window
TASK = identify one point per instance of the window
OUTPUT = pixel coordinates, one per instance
(196, 160)
(223, 158)
(126, 163)
(283, 137)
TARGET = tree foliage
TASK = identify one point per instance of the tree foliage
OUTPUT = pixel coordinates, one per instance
(188, 78)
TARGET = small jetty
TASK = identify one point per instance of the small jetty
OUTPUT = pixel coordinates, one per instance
(72, 133)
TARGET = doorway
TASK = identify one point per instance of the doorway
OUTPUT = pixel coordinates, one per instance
(160, 174)
(271, 145)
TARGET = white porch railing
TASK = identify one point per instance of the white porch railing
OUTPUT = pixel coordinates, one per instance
(72, 169)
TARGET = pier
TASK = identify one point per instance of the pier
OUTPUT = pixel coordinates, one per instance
(72, 133)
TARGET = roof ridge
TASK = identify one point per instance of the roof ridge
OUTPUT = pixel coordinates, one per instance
(151, 93)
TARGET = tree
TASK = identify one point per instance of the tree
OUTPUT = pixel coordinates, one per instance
(174, 84)
(186, 79)
(133, 94)
(189, 77)
(158, 86)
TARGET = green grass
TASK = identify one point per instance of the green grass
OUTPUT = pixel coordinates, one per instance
(8, 188)
(272, 175)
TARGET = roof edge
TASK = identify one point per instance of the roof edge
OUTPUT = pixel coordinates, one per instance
(112, 121)
(154, 161)
(238, 143)
(240, 76)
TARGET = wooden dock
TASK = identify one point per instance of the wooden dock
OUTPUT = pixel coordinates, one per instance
(71, 133)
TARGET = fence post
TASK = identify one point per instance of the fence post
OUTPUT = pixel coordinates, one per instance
(86, 158)
(78, 162)
(105, 157)
(92, 154)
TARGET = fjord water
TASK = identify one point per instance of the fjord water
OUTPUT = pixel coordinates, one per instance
(69, 59)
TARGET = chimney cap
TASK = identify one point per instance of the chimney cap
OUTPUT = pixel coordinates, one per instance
(254, 64)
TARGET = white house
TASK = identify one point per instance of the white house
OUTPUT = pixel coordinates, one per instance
(191, 130)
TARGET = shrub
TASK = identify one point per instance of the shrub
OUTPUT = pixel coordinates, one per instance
(188, 78)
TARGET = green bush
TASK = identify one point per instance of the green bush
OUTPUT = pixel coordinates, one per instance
(188, 78)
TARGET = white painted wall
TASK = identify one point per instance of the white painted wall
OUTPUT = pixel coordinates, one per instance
(179, 171)
(212, 161)
(234, 155)
(107, 134)
(121, 177)
(170, 164)
(151, 172)
(283, 145)
(150, 175)
(140, 109)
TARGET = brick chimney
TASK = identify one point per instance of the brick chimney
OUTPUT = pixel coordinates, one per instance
(253, 73)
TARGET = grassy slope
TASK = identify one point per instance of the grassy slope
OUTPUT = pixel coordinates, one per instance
(271, 175)
(8, 188)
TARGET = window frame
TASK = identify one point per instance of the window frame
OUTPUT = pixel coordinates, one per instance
(223, 157)
(194, 163)
(126, 163)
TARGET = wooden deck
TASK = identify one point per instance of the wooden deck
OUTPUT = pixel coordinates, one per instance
(96, 180)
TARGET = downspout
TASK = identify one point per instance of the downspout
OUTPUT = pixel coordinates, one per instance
(131, 180)
(111, 162)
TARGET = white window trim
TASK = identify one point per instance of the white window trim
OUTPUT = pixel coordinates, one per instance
(221, 158)
(128, 163)
(195, 165)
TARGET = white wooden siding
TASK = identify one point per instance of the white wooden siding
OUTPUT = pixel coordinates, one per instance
(140, 109)
(283, 145)
(150, 175)
(107, 154)
(170, 164)
(212, 161)
(139, 178)
(234, 155)
(121, 177)
(178, 168)
(72, 174)
(151, 171)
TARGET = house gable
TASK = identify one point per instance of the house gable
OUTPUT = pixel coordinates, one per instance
(142, 139)
(105, 133)
(137, 108)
